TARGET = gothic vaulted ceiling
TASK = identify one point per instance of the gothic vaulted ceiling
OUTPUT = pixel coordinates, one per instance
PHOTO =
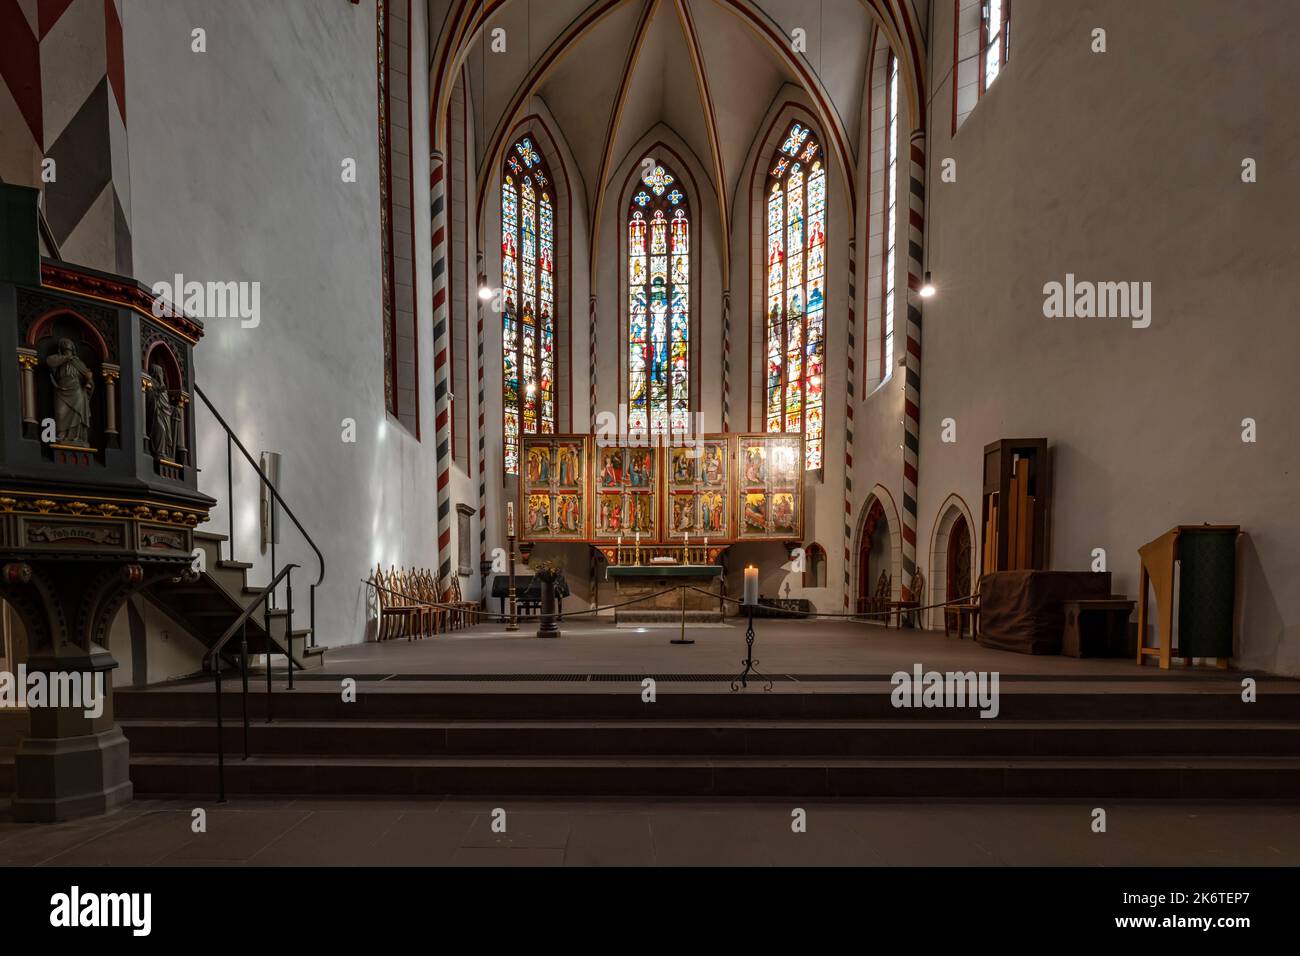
(608, 71)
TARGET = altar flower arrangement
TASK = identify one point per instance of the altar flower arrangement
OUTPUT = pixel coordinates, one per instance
(547, 570)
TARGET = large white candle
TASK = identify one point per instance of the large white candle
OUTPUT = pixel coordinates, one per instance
(751, 585)
(510, 518)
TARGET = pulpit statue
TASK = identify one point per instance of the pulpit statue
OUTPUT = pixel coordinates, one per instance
(73, 385)
(163, 424)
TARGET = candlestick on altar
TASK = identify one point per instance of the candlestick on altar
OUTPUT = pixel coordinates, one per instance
(618, 551)
(706, 549)
(637, 557)
(510, 518)
(513, 595)
(686, 547)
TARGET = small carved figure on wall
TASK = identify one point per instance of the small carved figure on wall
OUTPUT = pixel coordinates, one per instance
(73, 385)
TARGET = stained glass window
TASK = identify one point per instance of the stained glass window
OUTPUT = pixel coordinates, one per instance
(659, 284)
(528, 287)
(796, 291)
(888, 241)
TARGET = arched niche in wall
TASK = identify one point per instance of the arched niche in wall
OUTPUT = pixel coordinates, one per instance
(814, 569)
(166, 435)
(952, 556)
(69, 391)
(877, 547)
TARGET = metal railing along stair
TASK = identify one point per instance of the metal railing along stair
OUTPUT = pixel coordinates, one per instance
(240, 625)
(232, 442)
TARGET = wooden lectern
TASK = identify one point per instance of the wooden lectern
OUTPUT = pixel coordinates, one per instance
(1207, 584)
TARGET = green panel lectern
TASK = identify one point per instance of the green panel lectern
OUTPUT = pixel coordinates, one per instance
(1205, 559)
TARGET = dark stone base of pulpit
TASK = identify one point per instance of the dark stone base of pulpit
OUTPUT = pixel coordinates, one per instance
(66, 778)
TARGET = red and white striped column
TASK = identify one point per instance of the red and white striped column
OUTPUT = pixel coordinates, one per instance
(482, 424)
(851, 400)
(912, 372)
(441, 365)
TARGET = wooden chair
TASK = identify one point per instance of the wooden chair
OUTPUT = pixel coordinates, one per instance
(961, 612)
(898, 608)
(447, 598)
(466, 612)
(410, 591)
(427, 590)
(471, 607)
(393, 608)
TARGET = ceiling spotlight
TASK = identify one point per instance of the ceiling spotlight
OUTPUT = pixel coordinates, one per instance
(927, 287)
(531, 389)
(484, 293)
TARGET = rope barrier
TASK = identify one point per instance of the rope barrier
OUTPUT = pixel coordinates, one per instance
(767, 608)
(422, 602)
(610, 607)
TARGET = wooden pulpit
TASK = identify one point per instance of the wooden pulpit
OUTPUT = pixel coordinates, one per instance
(1206, 592)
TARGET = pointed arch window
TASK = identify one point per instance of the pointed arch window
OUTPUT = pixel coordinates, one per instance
(889, 227)
(528, 283)
(658, 331)
(796, 291)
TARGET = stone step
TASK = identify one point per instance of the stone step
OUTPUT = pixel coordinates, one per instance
(1132, 778)
(738, 738)
(380, 698)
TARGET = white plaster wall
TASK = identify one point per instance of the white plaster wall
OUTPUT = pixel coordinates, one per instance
(235, 163)
(1126, 166)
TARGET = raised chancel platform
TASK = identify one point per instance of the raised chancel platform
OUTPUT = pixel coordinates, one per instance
(484, 712)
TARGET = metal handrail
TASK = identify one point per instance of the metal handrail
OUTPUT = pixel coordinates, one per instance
(248, 611)
(231, 437)
(240, 624)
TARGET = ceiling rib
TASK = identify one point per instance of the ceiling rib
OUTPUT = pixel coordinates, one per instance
(611, 130)
(538, 72)
(895, 18)
(687, 23)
